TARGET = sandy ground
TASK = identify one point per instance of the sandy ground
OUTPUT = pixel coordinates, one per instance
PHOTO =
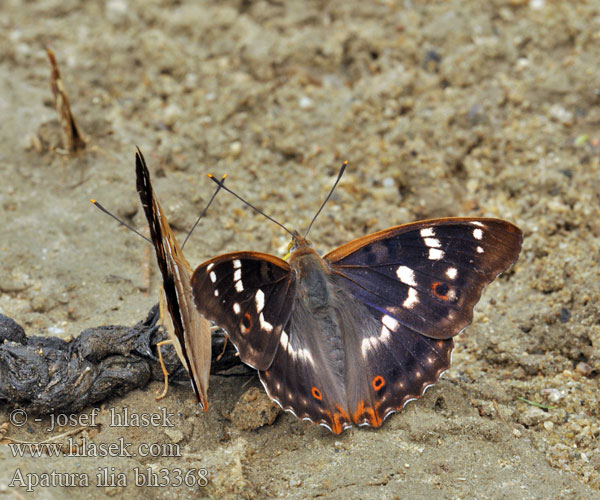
(442, 108)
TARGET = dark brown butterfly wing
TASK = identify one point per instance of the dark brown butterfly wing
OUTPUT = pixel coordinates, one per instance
(250, 295)
(345, 366)
(417, 285)
(306, 376)
(428, 275)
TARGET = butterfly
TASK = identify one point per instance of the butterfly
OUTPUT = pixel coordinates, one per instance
(190, 332)
(351, 337)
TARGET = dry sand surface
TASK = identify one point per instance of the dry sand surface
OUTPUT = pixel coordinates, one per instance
(442, 108)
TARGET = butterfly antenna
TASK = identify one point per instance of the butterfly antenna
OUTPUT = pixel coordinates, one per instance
(250, 205)
(102, 209)
(344, 165)
(203, 213)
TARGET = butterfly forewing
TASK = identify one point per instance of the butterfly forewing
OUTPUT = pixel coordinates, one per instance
(428, 275)
(190, 332)
(250, 295)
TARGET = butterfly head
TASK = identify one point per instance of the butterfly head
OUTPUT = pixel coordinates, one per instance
(297, 243)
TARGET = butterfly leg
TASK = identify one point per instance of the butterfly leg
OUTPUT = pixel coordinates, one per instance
(164, 368)
(224, 347)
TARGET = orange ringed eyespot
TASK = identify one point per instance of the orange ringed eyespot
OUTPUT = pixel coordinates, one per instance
(440, 290)
(316, 393)
(378, 382)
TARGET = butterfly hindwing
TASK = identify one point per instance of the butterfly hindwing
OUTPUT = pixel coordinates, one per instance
(386, 364)
(250, 295)
(428, 275)
(306, 376)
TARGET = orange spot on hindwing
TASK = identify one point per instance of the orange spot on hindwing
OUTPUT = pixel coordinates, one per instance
(316, 393)
(378, 382)
(366, 414)
(339, 419)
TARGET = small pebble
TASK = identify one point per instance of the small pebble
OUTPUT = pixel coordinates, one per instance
(305, 102)
(55, 330)
(116, 11)
(254, 409)
(561, 114)
(565, 315)
(175, 435)
(548, 425)
(235, 148)
(172, 114)
(584, 369)
(537, 4)
(554, 395)
(522, 63)
(533, 416)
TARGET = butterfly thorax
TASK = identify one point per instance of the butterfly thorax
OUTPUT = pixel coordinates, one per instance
(311, 272)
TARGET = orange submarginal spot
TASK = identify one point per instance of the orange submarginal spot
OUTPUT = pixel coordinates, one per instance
(316, 393)
(337, 419)
(378, 382)
(342, 413)
(374, 418)
(362, 411)
(440, 290)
